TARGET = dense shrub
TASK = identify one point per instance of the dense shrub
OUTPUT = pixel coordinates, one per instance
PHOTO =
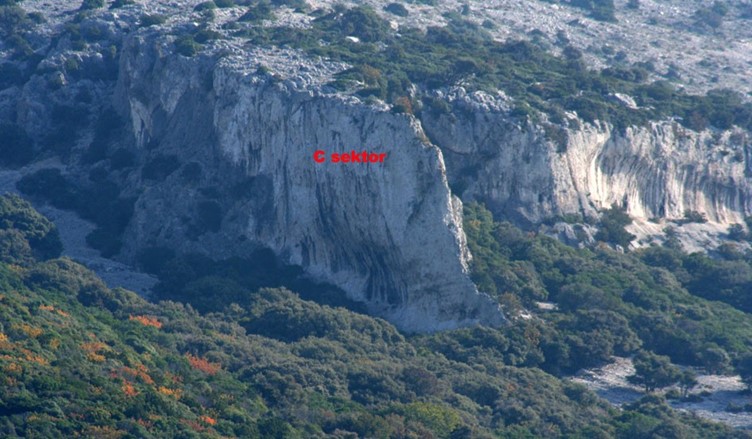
(92, 4)
(121, 3)
(187, 46)
(41, 234)
(261, 11)
(307, 370)
(205, 6)
(611, 303)
(464, 51)
(14, 248)
(397, 9)
(152, 20)
(611, 227)
(654, 372)
(13, 19)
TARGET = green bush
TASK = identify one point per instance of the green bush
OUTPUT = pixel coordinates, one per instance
(18, 215)
(691, 216)
(308, 370)
(121, 3)
(106, 240)
(92, 4)
(13, 20)
(397, 9)
(10, 75)
(14, 248)
(147, 20)
(612, 227)
(464, 51)
(205, 6)
(187, 46)
(51, 185)
(261, 11)
(206, 35)
(100, 203)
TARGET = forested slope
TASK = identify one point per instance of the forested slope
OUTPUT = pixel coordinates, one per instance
(80, 359)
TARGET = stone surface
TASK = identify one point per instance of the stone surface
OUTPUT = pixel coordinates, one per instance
(249, 119)
(389, 234)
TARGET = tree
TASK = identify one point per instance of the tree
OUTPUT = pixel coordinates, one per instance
(687, 381)
(654, 371)
(612, 225)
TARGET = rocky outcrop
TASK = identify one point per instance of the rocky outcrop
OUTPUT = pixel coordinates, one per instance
(224, 166)
(389, 234)
(657, 171)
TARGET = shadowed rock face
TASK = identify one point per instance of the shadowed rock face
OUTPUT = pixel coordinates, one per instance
(389, 234)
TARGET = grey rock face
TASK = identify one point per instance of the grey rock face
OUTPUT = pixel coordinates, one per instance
(389, 234)
(658, 171)
(233, 149)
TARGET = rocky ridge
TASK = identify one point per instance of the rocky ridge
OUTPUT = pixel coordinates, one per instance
(250, 117)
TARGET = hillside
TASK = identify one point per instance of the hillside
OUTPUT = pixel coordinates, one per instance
(556, 240)
(81, 359)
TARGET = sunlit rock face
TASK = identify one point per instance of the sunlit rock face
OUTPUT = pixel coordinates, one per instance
(389, 234)
(657, 171)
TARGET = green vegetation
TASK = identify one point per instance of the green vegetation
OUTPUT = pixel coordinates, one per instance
(260, 11)
(612, 303)
(79, 358)
(711, 17)
(15, 26)
(25, 223)
(611, 227)
(205, 6)
(654, 371)
(121, 3)
(152, 20)
(397, 9)
(691, 216)
(100, 203)
(187, 46)
(464, 52)
(601, 10)
(92, 4)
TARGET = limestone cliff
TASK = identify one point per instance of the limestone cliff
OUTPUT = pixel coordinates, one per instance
(658, 171)
(388, 234)
(223, 145)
